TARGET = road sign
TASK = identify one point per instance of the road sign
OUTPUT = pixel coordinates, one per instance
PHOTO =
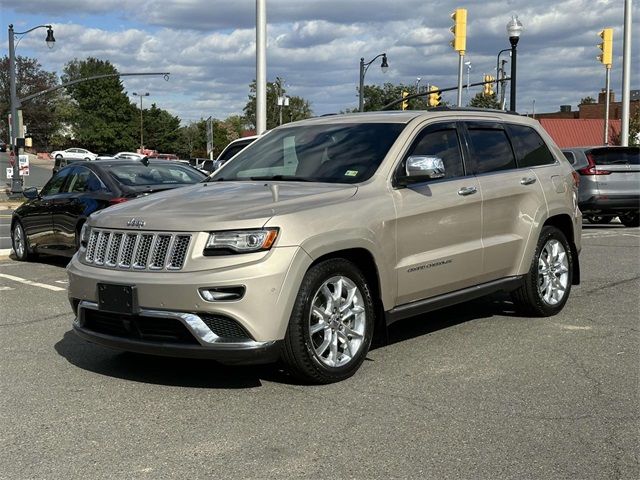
(23, 164)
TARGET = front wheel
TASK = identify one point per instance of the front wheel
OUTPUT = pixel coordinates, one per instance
(547, 285)
(19, 242)
(630, 219)
(331, 325)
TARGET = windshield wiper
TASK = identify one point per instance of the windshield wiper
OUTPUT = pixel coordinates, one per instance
(282, 177)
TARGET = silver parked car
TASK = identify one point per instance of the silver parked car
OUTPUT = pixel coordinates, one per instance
(609, 183)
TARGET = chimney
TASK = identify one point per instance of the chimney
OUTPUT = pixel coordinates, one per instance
(602, 98)
(565, 108)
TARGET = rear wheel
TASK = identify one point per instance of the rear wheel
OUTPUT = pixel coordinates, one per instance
(331, 326)
(630, 219)
(547, 285)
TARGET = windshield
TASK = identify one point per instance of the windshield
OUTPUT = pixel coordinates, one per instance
(154, 174)
(335, 153)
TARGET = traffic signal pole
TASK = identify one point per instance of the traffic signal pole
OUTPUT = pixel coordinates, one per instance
(460, 73)
(607, 83)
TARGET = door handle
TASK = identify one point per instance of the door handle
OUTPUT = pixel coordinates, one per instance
(467, 191)
(528, 180)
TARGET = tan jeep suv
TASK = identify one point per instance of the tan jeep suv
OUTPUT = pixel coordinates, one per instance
(324, 230)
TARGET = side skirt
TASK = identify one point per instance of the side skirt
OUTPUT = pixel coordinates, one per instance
(447, 299)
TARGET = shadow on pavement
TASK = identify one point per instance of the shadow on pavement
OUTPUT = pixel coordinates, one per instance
(179, 372)
(197, 373)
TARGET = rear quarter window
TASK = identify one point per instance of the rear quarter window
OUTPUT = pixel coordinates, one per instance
(531, 151)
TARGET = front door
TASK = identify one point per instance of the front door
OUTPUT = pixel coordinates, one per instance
(438, 226)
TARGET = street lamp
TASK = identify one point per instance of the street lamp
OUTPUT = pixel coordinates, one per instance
(16, 180)
(145, 94)
(514, 30)
(384, 66)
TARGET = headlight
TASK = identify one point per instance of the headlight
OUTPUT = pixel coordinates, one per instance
(84, 235)
(240, 241)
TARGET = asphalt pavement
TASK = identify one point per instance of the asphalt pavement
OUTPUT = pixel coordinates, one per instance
(474, 392)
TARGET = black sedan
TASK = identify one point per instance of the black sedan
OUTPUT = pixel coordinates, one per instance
(51, 220)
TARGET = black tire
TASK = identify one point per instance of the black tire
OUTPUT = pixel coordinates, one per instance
(598, 219)
(527, 298)
(299, 352)
(630, 219)
(23, 254)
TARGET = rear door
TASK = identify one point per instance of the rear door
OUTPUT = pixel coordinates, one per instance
(511, 198)
(438, 226)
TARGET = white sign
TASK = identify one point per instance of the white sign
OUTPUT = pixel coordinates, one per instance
(23, 163)
(9, 172)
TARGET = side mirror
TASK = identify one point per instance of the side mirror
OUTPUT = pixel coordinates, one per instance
(31, 193)
(420, 168)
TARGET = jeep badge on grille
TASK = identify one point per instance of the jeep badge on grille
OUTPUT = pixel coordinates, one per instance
(135, 222)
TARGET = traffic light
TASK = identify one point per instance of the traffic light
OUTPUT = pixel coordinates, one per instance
(606, 46)
(434, 97)
(488, 87)
(459, 30)
(405, 103)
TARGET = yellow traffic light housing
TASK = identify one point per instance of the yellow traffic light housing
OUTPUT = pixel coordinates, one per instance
(405, 103)
(488, 87)
(459, 30)
(434, 96)
(606, 46)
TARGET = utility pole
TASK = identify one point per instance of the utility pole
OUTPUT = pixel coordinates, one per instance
(626, 74)
(146, 94)
(261, 66)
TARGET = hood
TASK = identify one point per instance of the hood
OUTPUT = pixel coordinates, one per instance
(221, 205)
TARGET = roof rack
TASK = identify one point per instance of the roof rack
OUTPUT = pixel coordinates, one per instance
(445, 108)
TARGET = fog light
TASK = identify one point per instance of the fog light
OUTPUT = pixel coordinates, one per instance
(221, 294)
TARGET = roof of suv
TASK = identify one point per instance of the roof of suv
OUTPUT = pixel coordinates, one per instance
(406, 116)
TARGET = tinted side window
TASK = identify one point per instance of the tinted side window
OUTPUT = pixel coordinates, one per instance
(84, 180)
(616, 156)
(530, 149)
(442, 144)
(54, 185)
(491, 149)
(231, 151)
(570, 156)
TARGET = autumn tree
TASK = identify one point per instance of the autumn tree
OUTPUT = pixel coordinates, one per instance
(38, 115)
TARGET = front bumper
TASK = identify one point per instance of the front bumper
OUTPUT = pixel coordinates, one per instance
(206, 345)
(271, 284)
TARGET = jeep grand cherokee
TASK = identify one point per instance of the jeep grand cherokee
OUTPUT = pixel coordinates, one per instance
(325, 229)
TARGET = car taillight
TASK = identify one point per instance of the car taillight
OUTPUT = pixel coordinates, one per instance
(590, 169)
(117, 200)
(576, 178)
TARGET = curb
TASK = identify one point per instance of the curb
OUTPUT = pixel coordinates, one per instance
(5, 252)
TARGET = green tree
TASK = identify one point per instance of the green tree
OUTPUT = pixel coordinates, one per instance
(587, 100)
(192, 140)
(160, 129)
(39, 114)
(634, 128)
(376, 97)
(106, 120)
(485, 101)
(298, 108)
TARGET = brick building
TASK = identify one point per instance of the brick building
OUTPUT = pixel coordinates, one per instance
(596, 110)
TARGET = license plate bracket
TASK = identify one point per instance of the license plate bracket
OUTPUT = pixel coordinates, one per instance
(117, 298)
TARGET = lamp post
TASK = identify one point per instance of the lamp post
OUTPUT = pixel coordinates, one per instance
(16, 180)
(384, 66)
(514, 30)
(145, 94)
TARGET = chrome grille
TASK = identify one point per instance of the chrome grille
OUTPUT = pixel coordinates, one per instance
(141, 251)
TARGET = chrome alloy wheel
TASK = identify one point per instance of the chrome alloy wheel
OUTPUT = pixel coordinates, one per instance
(337, 321)
(19, 244)
(553, 272)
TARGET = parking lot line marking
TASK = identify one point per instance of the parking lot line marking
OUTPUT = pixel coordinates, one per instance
(5, 216)
(6, 288)
(34, 284)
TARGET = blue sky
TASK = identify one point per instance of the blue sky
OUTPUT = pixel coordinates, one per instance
(208, 46)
